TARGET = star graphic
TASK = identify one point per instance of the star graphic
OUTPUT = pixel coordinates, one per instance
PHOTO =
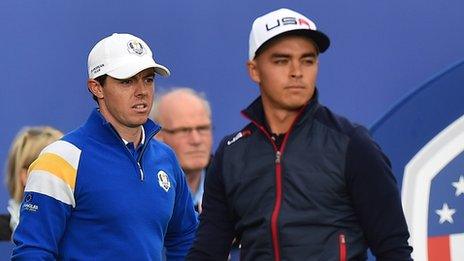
(459, 186)
(446, 214)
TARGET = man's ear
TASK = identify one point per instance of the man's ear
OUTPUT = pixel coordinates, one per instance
(253, 71)
(95, 88)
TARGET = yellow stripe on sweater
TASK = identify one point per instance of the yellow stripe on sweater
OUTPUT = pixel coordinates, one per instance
(57, 166)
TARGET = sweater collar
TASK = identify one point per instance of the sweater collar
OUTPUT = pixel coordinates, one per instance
(99, 128)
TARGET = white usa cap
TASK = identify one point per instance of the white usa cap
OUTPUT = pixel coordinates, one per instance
(122, 56)
(282, 21)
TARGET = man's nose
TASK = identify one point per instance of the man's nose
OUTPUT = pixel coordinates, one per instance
(140, 88)
(295, 69)
(195, 136)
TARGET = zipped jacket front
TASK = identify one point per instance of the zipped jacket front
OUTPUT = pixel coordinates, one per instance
(327, 193)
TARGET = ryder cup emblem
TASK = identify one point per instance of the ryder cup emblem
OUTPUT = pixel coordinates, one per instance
(163, 180)
(433, 196)
(135, 47)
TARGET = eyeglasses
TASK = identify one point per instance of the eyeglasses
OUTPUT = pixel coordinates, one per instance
(202, 130)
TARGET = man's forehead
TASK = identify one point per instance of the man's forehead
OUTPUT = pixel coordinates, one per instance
(186, 114)
(180, 101)
(276, 45)
(176, 108)
(187, 122)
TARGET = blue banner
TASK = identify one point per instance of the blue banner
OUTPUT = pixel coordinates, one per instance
(424, 137)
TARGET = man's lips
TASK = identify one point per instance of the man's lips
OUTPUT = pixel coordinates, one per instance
(141, 107)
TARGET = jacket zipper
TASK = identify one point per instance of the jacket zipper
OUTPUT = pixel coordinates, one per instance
(278, 178)
(278, 192)
(278, 189)
(276, 211)
(342, 246)
(139, 158)
(141, 171)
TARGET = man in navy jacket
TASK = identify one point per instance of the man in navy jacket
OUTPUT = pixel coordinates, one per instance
(298, 182)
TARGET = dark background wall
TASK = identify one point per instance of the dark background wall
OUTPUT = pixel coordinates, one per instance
(381, 50)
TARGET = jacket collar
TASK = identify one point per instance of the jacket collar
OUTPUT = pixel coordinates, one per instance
(98, 128)
(255, 111)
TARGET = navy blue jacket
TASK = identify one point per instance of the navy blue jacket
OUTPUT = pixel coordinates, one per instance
(327, 193)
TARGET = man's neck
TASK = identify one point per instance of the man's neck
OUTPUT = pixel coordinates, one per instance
(133, 135)
(193, 180)
(280, 121)
(129, 134)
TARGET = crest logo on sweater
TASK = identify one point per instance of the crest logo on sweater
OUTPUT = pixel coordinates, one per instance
(163, 180)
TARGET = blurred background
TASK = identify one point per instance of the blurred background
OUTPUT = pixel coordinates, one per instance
(380, 53)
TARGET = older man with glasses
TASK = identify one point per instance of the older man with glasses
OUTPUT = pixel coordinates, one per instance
(185, 117)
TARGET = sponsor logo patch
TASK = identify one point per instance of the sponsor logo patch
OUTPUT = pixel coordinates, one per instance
(239, 135)
(28, 205)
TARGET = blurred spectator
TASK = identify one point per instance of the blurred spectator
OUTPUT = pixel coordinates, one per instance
(185, 117)
(24, 150)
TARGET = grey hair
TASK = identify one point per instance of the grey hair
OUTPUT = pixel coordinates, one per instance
(154, 114)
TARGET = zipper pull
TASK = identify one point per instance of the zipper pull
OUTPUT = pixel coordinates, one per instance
(141, 171)
(342, 247)
(277, 160)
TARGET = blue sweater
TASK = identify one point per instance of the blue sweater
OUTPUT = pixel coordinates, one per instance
(88, 198)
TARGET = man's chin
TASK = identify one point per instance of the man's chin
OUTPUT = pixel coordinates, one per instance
(194, 168)
(138, 123)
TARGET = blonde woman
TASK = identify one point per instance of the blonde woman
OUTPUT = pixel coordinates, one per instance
(24, 150)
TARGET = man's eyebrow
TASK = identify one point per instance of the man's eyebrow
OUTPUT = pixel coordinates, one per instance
(310, 54)
(280, 55)
(284, 55)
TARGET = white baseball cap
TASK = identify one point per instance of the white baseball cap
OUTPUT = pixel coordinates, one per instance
(282, 21)
(122, 56)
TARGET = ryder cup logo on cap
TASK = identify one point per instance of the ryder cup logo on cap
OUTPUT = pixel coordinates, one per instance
(282, 21)
(122, 56)
(136, 47)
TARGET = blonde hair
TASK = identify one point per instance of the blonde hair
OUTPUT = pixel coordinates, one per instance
(24, 150)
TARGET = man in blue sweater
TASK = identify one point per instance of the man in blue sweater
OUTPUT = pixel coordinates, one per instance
(108, 190)
(298, 182)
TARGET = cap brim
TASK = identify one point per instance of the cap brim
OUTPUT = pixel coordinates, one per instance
(321, 40)
(129, 69)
